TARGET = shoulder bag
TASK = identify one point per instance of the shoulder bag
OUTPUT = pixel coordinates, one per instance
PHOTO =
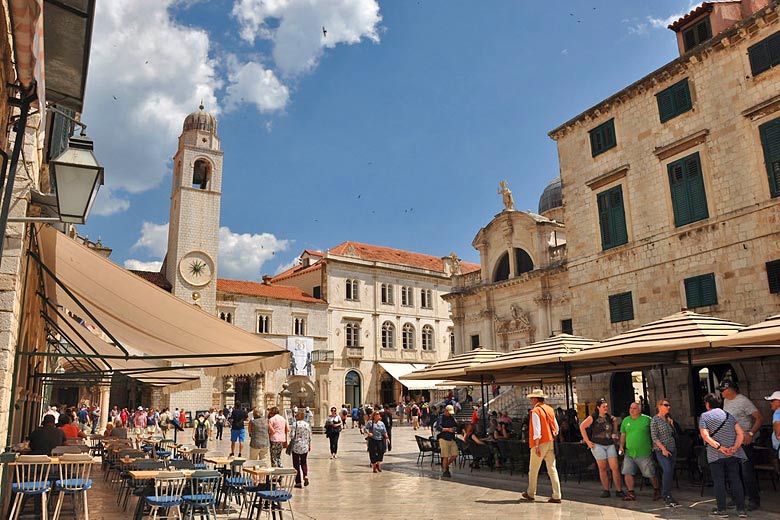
(292, 440)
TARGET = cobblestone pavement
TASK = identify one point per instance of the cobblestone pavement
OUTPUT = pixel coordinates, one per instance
(346, 488)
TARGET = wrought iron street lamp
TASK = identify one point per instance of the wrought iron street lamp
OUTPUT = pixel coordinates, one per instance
(76, 177)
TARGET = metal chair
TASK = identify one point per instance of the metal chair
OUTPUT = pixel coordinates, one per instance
(202, 495)
(138, 488)
(197, 455)
(31, 479)
(74, 480)
(281, 491)
(168, 490)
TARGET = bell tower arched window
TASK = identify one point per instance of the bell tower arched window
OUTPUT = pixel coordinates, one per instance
(523, 262)
(201, 174)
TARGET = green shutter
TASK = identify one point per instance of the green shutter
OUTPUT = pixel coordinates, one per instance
(773, 276)
(764, 54)
(665, 105)
(621, 307)
(770, 140)
(612, 218)
(614, 309)
(674, 100)
(700, 291)
(602, 138)
(686, 183)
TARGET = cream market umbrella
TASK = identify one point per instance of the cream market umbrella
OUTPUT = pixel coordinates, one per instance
(535, 362)
(763, 334)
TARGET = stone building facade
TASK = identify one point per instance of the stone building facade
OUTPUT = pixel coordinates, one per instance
(670, 192)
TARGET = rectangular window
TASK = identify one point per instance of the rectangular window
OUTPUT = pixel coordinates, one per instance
(474, 341)
(317, 292)
(612, 218)
(451, 334)
(674, 100)
(686, 183)
(426, 299)
(765, 54)
(696, 34)
(567, 327)
(621, 307)
(700, 291)
(387, 293)
(407, 296)
(770, 140)
(602, 138)
(263, 324)
(773, 274)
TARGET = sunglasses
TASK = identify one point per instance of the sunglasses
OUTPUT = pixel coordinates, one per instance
(666, 404)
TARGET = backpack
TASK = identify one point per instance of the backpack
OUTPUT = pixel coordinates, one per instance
(201, 432)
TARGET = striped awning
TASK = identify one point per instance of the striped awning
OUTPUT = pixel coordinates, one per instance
(762, 334)
(455, 367)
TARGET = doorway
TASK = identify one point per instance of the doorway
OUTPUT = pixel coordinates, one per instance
(352, 393)
(243, 387)
(622, 393)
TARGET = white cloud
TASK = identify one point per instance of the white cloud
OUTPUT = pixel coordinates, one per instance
(154, 238)
(664, 22)
(138, 265)
(241, 255)
(296, 28)
(107, 203)
(146, 74)
(292, 263)
(252, 83)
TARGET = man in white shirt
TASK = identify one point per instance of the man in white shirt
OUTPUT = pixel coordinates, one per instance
(749, 419)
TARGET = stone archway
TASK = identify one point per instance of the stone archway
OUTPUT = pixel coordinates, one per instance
(303, 392)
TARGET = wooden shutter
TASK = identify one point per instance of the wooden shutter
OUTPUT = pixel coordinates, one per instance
(689, 38)
(773, 275)
(621, 307)
(709, 295)
(614, 308)
(603, 204)
(770, 140)
(665, 105)
(694, 181)
(618, 217)
(764, 54)
(681, 95)
(700, 291)
(679, 194)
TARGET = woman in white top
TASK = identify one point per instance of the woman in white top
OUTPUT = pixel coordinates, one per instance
(300, 438)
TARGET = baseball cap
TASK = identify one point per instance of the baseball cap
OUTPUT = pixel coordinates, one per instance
(450, 408)
(728, 383)
(140, 408)
(775, 395)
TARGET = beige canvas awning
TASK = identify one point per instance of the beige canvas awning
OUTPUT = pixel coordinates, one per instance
(455, 367)
(399, 372)
(142, 321)
(762, 334)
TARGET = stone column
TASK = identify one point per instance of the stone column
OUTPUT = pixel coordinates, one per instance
(285, 397)
(105, 406)
(259, 396)
(230, 391)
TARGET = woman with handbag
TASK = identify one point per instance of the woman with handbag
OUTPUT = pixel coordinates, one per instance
(376, 434)
(333, 425)
(277, 434)
(299, 448)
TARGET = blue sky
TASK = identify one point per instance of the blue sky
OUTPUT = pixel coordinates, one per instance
(394, 129)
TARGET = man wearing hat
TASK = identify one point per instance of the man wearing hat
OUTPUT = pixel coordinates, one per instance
(749, 419)
(447, 425)
(542, 429)
(774, 401)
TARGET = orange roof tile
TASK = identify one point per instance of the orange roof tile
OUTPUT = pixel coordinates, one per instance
(397, 256)
(280, 292)
(296, 270)
(157, 279)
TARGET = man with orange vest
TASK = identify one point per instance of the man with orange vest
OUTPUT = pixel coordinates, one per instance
(542, 429)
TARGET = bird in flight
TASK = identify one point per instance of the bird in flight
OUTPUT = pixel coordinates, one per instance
(324, 32)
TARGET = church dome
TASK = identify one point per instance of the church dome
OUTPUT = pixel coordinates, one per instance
(552, 196)
(201, 120)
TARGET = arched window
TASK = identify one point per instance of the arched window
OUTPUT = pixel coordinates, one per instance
(352, 290)
(523, 262)
(352, 335)
(299, 326)
(407, 337)
(201, 174)
(263, 324)
(502, 268)
(226, 316)
(427, 337)
(352, 393)
(388, 335)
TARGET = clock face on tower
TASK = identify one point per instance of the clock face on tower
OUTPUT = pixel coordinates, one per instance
(196, 268)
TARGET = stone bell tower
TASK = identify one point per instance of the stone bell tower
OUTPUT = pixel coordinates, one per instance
(193, 233)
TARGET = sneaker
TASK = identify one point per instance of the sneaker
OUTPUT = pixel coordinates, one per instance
(670, 502)
(525, 497)
(305, 481)
(554, 501)
(630, 496)
(446, 473)
(231, 454)
(605, 494)
(717, 513)
(741, 513)
(620, 494)
(239, 454)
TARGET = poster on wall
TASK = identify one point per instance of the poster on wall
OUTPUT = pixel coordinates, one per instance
(300, 355)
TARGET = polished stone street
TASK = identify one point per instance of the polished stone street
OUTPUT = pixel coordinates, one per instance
(346, 488)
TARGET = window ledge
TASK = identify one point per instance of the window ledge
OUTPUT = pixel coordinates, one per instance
(762, 109)
(609, 177)
(671, 149)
